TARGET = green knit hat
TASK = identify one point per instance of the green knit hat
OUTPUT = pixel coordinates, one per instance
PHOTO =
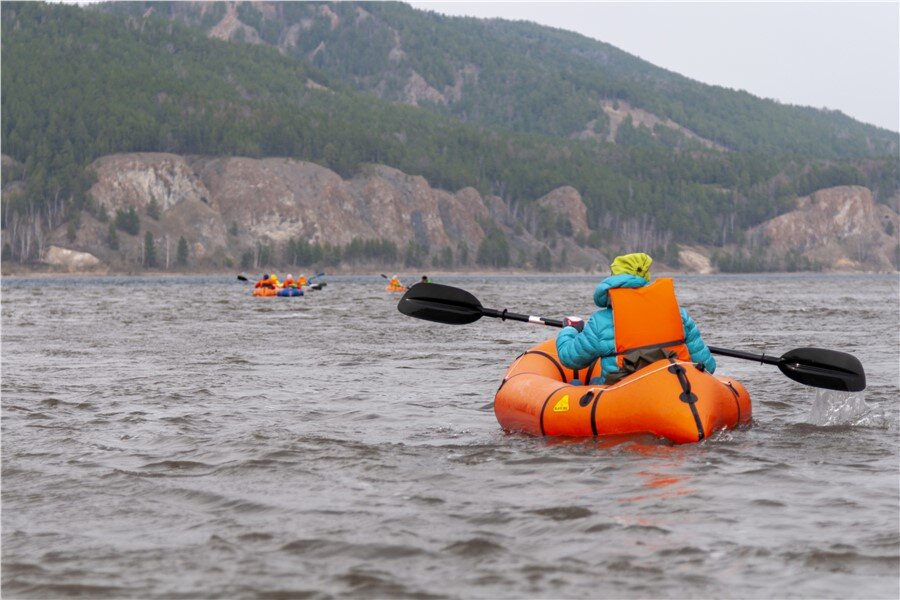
(637, 264)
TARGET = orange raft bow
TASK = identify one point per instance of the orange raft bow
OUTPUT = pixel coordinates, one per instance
(673, 399)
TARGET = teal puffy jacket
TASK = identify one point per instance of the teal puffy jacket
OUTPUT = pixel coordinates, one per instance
(578, 350)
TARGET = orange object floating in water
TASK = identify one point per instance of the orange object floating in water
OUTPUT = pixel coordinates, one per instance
(265, 291)
(672, 399)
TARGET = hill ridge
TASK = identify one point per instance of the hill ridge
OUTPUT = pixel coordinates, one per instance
(130, 81)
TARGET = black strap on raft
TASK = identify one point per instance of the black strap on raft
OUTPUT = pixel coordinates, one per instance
(737, 401)
(687, 396)
(590, 371)
(556, 363)
(594, 412)
(544, 407)
(651, 346)
(505, 379)
(551, 358)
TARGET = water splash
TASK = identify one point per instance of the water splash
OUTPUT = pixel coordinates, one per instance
(832, 408)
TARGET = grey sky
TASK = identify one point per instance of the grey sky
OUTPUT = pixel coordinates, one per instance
(836, 55)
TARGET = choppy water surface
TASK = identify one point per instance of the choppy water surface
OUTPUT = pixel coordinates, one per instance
(179, 438)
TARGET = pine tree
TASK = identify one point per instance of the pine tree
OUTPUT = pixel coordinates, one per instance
(129, 222)
(113, 237)
(543, 261)
(72, 229)
(149, 250)
(181, 256)
(153, 209)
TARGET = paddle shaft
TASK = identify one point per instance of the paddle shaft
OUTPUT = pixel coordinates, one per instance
(810, 366)
(817, 367)
(505, 315)
(834, 373)
(762, 358)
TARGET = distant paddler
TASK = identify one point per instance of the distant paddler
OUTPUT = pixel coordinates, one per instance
(268, 281)
(394, 284)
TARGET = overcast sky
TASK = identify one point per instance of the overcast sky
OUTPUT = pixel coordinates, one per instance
(836, 55)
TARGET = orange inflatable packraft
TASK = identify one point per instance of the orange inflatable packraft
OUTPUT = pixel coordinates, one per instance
(265, 291)
(670, 398)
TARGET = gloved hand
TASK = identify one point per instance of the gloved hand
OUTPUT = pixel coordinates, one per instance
(575, 322)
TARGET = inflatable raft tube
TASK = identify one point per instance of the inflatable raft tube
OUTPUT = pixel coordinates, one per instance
(672, 399)
(290, 292)
(265, 291)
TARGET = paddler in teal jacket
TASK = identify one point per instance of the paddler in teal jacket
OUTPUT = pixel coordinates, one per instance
(578, 349)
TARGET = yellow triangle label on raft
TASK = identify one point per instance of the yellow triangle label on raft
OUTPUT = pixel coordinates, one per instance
(562, 405)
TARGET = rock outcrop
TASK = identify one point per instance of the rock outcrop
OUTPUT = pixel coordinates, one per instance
(694, 261)
(70, 260)
(283, 199)
(839, 228)
(134, 180)
(230, 27)
(567, 202)
(617, 111)
(225, 206)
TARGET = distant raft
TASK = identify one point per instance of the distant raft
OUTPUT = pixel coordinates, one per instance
(670, 398)
(289, 292)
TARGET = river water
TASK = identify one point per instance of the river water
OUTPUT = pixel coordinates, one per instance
(178, 438)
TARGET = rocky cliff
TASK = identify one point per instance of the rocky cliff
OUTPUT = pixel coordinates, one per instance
(226, 206)
(839, 228)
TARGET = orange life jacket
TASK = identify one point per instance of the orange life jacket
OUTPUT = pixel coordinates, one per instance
(646, 318)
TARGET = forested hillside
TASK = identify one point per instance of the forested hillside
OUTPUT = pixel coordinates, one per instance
(79, 84)
(518, 75)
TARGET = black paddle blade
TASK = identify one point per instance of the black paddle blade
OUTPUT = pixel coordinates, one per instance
(440, 303)
(828, 369)
(242, 278)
